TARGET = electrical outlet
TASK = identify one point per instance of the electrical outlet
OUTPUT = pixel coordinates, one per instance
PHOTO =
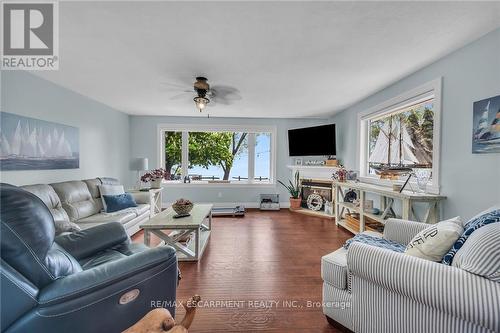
(219, 194)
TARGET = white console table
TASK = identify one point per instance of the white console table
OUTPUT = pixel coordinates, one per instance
(387, 199)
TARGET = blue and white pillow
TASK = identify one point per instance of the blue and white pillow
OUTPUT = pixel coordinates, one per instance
(375, 241)
(491, 216)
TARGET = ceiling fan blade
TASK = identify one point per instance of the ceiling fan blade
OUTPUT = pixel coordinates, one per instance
(183, 95)
(172, 85)
(225, 92)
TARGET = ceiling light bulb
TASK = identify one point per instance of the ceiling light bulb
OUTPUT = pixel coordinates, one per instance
(201, 102)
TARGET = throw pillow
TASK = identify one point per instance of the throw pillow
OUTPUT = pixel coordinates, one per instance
(489, 217)
(118, 202)
(480, 254)
(375, 241)
(434, 242)
(109, 190)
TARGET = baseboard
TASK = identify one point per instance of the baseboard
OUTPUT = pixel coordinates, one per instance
(233, 204)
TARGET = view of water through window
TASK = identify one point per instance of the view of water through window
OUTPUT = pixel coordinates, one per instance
(219, 155)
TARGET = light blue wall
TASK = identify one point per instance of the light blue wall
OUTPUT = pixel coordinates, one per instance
(144, 144)
(470, 181)
(104, 132)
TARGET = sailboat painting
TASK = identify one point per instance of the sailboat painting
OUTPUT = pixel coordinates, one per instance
(486, 126)
(33, 144)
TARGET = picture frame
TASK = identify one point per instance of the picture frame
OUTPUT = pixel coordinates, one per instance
(35, 144)
(486, 126)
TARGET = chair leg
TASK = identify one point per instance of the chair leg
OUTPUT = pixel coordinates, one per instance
(337, 325)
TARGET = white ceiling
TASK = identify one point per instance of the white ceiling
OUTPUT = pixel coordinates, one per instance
(288, 59)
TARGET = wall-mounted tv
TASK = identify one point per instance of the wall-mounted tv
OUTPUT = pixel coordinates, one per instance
(312, 141)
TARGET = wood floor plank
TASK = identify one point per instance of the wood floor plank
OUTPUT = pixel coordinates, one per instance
(263, 260)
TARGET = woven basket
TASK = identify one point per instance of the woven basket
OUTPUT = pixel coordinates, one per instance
(182, 209)
(352, 220)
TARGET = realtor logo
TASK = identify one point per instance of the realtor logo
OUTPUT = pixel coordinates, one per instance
(30, 36)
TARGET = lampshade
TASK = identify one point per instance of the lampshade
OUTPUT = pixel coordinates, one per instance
(143, 164)
(201, 102)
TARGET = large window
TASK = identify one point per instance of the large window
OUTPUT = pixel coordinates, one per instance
(403, 132)
(218, 154)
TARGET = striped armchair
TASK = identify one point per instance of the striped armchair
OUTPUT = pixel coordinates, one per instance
(370, 289)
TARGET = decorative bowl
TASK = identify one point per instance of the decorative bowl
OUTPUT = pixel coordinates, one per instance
(182, 207)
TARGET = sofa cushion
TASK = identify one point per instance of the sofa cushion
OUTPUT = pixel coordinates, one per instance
(334, 268)
(115, 253)
(109, 181)
(93, 186)
(106, 218)
(435, 241)
(377, 241)
(28, 234)
(142, 208)
(49, 197)
(101, 258)
(481, 252)
(490, 216)
(109, 190)
(76, 199)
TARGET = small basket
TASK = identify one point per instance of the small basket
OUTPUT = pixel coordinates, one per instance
(182, 209)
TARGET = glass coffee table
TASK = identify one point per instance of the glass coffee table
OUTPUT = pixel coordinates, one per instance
(198, 223)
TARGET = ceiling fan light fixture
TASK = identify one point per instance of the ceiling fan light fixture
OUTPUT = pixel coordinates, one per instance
(201, 102)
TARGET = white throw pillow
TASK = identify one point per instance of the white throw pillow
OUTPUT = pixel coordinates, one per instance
(110, 190)
(434, 242)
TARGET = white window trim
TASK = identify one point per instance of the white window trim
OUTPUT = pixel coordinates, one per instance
(434, 88)
(186, 128)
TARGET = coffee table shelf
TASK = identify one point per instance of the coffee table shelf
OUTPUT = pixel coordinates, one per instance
(199, 223)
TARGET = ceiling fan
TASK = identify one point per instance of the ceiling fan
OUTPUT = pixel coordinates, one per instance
(206, 94)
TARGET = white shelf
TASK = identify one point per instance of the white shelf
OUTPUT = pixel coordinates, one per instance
(349, 206)
(377, 218)
(318, 213)
(344, 225)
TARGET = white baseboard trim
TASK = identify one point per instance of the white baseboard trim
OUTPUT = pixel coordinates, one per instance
(285, 204)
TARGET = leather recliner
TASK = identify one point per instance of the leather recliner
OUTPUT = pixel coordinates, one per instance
(94, 280)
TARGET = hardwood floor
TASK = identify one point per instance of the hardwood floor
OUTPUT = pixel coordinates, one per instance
(260, 262)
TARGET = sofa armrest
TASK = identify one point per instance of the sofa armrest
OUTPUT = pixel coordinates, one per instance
(141, 197)
(402, 231)
(84, 243)
(120, 274)
(445, 288)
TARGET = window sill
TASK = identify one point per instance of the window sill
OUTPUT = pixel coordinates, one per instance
(431, 188)
(173, 184)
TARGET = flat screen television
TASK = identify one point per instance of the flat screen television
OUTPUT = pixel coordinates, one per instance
(312, 141)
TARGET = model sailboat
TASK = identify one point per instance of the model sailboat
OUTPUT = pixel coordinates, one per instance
(393, 154)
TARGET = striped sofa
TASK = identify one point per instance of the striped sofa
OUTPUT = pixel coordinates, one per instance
(370, 289)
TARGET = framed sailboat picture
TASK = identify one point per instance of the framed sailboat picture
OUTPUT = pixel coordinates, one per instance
(33, 144)
(486, 126)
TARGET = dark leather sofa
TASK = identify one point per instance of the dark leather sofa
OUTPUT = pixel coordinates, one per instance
(94, 280)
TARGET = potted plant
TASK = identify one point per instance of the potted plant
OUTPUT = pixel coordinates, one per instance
(294, 190)
(340, 174)
(154, 177)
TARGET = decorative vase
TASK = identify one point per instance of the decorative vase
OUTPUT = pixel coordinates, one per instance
(295, 203)
(156, 183)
